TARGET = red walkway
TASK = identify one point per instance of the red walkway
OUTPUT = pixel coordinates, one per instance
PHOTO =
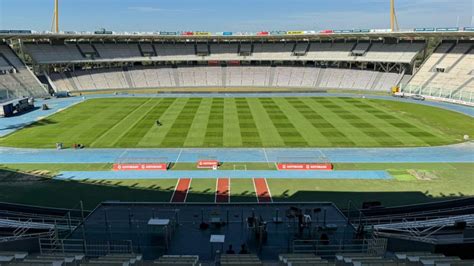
(262, 191)
(223, 190)
(181, 190)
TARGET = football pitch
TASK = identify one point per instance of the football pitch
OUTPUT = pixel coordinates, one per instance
(244, 122)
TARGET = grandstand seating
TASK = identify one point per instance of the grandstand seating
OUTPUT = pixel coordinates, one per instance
(301, 49)
(45, 53)
(125, 77)
(291, 259)
(447, 73)
(239, 259)
(208, 76)
(16, 79)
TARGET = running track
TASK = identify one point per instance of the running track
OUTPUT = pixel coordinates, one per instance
(223, 190)
(222, 195)
(262, 191)
(181, 191)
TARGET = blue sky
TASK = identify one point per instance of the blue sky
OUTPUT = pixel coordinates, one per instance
(232, 15)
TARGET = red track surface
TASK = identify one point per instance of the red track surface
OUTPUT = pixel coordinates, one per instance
(262, 191)
(223, 190)
(181, 190)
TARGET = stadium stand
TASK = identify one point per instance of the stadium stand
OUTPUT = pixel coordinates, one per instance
(16, 80)
(224, 51)
(306, 247)
(290, 259)
(300, 49)
(328, 51)
(176, 52)
(403, 52)
(376, 65)
(272, 51)
(208, 76)
(117, 50)
(447, 73)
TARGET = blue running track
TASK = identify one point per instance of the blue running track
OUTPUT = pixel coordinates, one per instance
(454, 153)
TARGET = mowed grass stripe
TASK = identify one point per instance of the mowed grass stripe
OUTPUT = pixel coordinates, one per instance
(324, 128)
(157, 134)
(245, 122)
(94, 120)
(371, 126)
(294, 107)
(429, 135)
(268, 133)
(69, 126)
(215, 124)
(248, 129)
(352, 123)
(178, 132)
(232, 137)
(348, 131)
(108, 138)
(197, 131)
(385, 121)
(133, 136)
(290, 135)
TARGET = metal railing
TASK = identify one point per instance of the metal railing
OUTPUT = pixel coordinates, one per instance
(443, 94)
(373, 246)
(89, 248)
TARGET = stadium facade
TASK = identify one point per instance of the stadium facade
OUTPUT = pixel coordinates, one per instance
(435, 62)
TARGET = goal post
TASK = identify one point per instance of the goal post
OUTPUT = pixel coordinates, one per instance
(240, 167)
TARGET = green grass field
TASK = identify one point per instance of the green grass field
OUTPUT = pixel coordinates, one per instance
(412, 183)
(245, 122)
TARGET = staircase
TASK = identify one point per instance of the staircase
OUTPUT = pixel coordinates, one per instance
(460, 58)
(128, 78)
(224, 76)
(271, 78)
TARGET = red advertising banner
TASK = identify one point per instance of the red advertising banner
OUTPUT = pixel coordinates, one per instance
(327, 31)
(140, 167)
(305, 166)
(210, 164)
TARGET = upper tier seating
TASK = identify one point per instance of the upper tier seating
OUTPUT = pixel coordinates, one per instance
(16, 80)
(45, 53)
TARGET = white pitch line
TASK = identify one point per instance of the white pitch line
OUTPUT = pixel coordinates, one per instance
(268, 189)
(187, 190)
(179, 156)
(323, 156)
(228, 192)
(217, 190)
(266, 156)
(255, 189)
(174, 192)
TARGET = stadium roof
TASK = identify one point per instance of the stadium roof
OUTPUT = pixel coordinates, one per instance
(238, 36)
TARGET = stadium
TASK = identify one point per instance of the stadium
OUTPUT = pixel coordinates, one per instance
(297, 147)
